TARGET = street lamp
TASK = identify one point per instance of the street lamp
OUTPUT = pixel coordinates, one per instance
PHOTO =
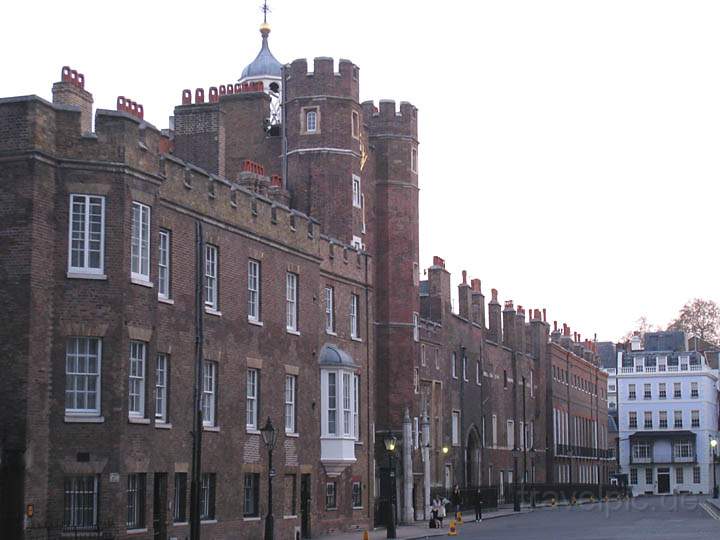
(269, 435)
(516, 500)
(445, 449)
(390, 445)
(532, 476)
(713, 445)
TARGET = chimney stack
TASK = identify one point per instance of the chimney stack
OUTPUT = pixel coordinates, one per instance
(464, 297)
(508, 315)
(495, 333)
(478, 303)
(70, 90)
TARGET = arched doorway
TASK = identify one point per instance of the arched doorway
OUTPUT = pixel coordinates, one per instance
(472, 458)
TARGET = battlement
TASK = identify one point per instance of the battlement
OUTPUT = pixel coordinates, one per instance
(387, 120)
(323, 80)
(123, 140)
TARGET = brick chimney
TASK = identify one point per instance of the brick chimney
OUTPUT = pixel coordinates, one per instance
(464, 297)
(495, 330)
(520, 329)
(70, 90)
(478, 303)
(508, 315)
(539, 335)
(438, 290)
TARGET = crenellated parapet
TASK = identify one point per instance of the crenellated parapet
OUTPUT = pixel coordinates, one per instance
(387, 120)
(322, 80)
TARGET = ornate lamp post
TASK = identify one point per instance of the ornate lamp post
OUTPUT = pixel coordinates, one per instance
(269, 435)
(390, 445)
(713, 445)
(516, 499)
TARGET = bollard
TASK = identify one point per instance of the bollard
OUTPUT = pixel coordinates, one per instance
(573, 500)
(553, 502)
(453, 528)
(366, 536)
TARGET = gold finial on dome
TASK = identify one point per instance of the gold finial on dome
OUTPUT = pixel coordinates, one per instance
(265, 27)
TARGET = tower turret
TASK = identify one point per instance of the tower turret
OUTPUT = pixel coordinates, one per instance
(326, 173)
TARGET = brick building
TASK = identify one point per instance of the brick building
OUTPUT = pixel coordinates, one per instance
(577, 411)
(277, 218)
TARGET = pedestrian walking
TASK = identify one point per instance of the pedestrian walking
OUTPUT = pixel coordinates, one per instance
(478, 506)
(442, 512)
(456, 498)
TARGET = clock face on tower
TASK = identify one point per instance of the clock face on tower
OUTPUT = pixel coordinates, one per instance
(363, 153)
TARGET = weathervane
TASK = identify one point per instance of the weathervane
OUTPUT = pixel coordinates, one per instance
(265, 9)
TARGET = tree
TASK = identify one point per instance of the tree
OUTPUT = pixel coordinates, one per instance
(699, 318)
(642, 326)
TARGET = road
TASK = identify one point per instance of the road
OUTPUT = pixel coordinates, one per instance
(642, 518)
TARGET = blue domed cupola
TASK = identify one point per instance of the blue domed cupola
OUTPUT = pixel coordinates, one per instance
(265, 67)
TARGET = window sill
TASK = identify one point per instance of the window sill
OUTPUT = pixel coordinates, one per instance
(330, 333)
(255, 322)
(359, 443)
(138, 420)
(252, 431)
(137, 531)
(290, 517)
(359, 340)
(79, 419)
(357, 507)
(258, 518)
(142, 282)
(180, 524)
(88, 275)
(163, 425)
(212, 429)
(166, 300)
(293, 332)
(211, 311)
(208, 521)
(293, 435)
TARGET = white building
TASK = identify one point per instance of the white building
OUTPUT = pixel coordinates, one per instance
(668, 413)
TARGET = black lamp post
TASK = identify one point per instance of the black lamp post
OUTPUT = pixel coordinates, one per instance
(713, 445)
(390, 445)
(532, 476)
(516, 498)
(269, 435)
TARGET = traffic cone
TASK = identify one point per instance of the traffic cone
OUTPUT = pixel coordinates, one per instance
(453, 528)
(366, 536)
(458, 517)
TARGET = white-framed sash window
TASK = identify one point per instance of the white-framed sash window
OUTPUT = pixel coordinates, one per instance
(140, 242)
(86, 234)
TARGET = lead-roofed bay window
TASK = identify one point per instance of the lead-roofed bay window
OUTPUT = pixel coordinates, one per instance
(86, 242)
(140, 243)
(339, 409)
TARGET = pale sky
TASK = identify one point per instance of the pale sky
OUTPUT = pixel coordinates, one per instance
(568, 149)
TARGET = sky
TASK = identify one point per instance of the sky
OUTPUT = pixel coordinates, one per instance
(568, 149)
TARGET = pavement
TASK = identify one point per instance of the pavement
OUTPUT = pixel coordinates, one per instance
(681, 517)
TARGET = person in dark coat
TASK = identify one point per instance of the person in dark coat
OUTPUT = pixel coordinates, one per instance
(456, 498)
(478, 505)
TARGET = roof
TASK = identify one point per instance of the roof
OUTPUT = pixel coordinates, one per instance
(332, 355)
(265, 64)
(606, 352)
(665, 341)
